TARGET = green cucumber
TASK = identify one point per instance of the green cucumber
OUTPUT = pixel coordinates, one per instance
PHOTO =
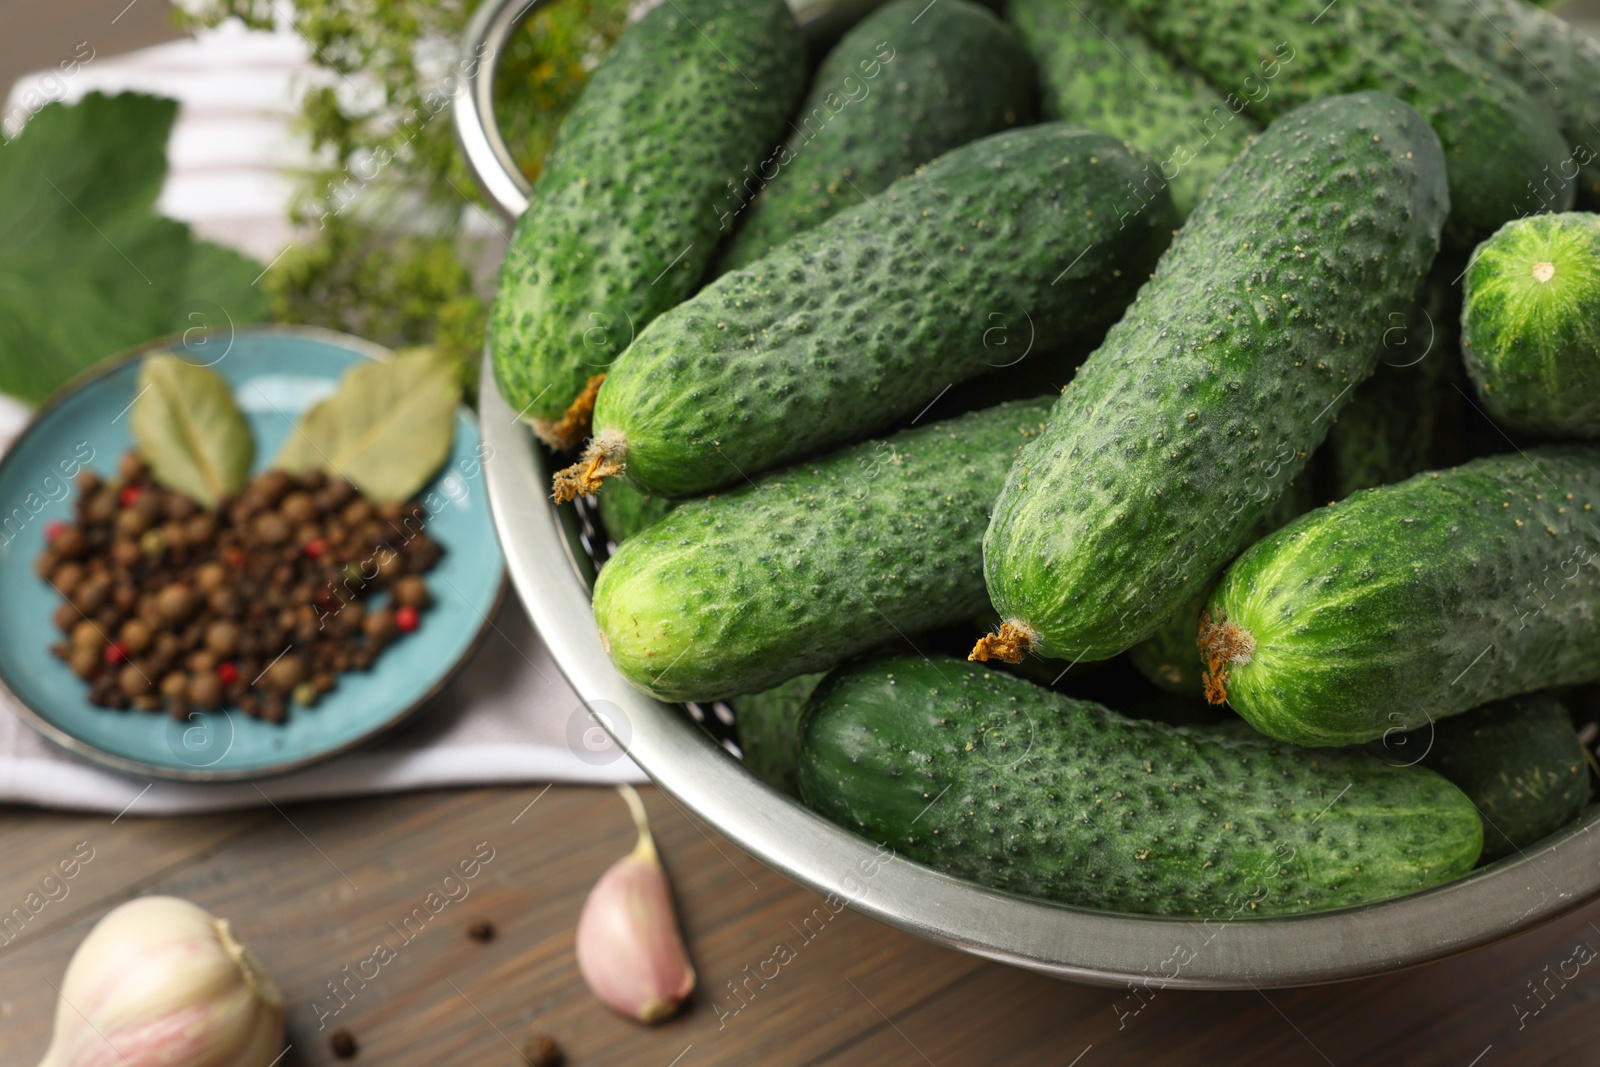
(1180, 432)
(1268, 56)
(1169, 657)
(792, 574)
(989, 777)
(1412, 602)
(1097, 69)
(1551, 59)
(1530, 327)
(626, 511)
(1519, 761)
(621, 224)
(1026, 238)
(769, 731)
(1402, 420)
(908, 83)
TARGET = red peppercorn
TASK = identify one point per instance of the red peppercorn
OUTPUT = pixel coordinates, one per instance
(406, 619)
(315, 547)
(116, 652)
(227, 672)
(129, 496)
(55, 530)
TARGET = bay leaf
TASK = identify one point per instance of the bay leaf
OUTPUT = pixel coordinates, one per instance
(387, 428)
(189, 430)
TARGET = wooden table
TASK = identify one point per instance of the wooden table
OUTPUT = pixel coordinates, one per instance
(314, 888)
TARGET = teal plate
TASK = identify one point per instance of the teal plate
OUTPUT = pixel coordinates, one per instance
(275, 373)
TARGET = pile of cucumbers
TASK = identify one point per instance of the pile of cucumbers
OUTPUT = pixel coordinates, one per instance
(942, 390)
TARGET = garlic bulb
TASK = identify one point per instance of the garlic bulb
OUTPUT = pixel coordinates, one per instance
(629, 949)
(160, 982)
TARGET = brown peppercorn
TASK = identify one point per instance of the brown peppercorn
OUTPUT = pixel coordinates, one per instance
(133, 682)
(175, 686)
(272, 485)
(298, 507)
(150, 611)
(92, 593)
(274, 708)
(205, 690)
(379, 625)
(343, 1044)
(153, 543)
(412, 591)
(180, 507)
(288, 672)
(482, 930)
(85, 634)
(66, 576)
(88, 481)
(152, 504)
(131, 522)
(70, 543)
(357, 513)
(270, 528)
(131, 467)
(542, 1051)
(200, 529)
(222, 638)
(211, 576)
(84, 661)
(135, 637)
(176, 602)
(66, 617)
(224, 602)
(125, 553)
(201, 661)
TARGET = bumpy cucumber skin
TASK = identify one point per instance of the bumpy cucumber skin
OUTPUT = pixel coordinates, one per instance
(640, 163)
(1519, 761)
(1416, 601)
(1271, 55)
(1403, 419)
(1531, 340)
(769, 731)
(992, 778)
(865, 319)
(1551, 59)
(955, 74)
(1096, 68)
(812, 564)
(626, 511)
(1180, 432)
(1169, 657)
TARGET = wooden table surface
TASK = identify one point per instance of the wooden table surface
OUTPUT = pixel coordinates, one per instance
(314, 888)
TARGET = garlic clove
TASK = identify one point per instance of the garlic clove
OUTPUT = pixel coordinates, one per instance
(160, 982)
(630, 951)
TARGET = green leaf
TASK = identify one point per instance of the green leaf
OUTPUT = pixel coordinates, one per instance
(190, 431)
(387, 429)
(87, 268)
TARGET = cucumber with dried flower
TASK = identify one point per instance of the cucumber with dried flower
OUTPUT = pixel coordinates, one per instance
(908, 83)
(1412, 602)
(1097, 69)
(1023, 239)
(1181, 431)
(791, 574)
(990, 777)
(621, 223)
(1169, 657)
(1530, 327)
(1269, 56)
